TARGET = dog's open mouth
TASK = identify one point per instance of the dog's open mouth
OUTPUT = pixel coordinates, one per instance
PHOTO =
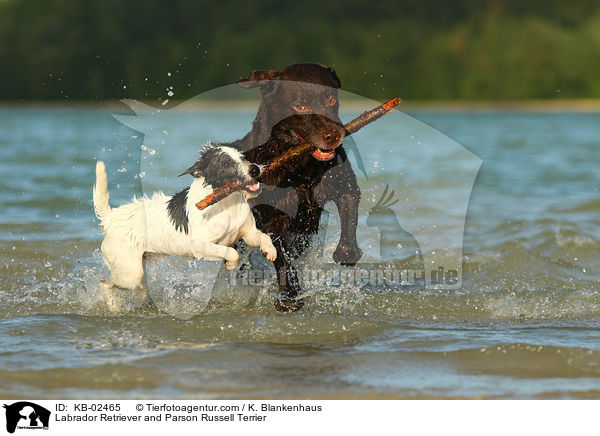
(323, 154)
(252, 187)
(317, 152)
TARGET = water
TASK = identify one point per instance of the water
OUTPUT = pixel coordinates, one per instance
(524, 324)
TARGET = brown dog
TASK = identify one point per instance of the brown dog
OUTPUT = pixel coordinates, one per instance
(299, 103)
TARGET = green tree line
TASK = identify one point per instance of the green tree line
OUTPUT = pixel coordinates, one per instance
(429, 49)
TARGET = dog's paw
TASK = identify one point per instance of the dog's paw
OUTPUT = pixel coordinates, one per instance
(120, 300)
(232, 259)
(284, 305)
(230, 266)
(347, 255)
(270, 252)
(113, 304)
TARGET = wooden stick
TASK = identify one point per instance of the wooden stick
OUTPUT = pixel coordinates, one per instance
(287, 156)
(219, 194)
(370, 116)
(350, 128)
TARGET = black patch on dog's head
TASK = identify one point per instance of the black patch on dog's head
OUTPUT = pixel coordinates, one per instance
(216, 166)
(177, 211)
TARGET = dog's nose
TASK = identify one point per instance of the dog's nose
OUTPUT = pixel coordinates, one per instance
(331, 137)
(254, 171)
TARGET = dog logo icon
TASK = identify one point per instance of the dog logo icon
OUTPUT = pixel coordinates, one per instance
(26, 415)
(394, 242)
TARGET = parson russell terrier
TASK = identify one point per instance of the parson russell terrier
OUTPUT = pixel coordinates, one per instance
(173, 225)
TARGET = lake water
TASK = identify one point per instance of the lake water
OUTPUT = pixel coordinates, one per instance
(523, 323)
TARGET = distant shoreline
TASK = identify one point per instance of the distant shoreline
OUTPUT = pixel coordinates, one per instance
(469, 106)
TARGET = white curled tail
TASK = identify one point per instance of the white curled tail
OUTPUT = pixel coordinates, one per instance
(101, 206)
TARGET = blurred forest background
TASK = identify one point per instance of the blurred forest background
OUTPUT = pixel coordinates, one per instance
(429, 49)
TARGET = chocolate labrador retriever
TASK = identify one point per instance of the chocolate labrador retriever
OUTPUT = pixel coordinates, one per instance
(300, 103)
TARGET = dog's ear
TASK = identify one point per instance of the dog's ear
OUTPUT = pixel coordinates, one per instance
(197, 170)
(258, 77)
(194, 171)
(335, 77)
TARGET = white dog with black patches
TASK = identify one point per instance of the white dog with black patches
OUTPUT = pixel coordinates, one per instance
(173, 225)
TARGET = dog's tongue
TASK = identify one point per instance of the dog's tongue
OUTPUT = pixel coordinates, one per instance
(323, 155)
(253, 186)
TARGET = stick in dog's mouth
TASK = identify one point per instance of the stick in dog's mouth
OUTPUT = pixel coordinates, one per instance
(349, 128)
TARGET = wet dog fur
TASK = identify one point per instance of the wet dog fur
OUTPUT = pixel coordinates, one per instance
(173, 225)
(303, 99)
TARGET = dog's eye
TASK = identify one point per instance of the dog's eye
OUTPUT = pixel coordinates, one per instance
(300, 107)
(332, 100)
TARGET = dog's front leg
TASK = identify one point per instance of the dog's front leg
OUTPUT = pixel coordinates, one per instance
(340, 185)
(347, 252)
(203, 249)
(287, 278)
(256, 238)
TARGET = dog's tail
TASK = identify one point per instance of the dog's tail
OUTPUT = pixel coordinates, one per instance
(101, 206)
